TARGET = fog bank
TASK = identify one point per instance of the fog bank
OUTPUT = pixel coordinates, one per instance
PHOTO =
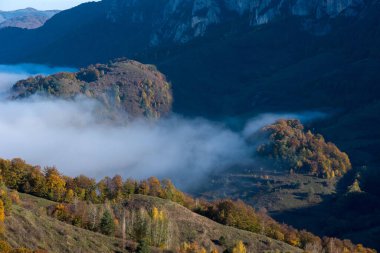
(10, 74)
(68, 135)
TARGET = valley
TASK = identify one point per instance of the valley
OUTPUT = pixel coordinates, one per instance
(191, 126)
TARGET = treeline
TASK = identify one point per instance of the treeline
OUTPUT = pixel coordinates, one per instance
(49, 183)
(302, 151)
(100, 206)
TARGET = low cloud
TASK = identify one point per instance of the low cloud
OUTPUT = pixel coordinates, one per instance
(265, 119)
(68, 134)
(10, 74)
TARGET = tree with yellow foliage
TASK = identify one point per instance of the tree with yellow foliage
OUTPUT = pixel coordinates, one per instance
(192, 248)
(2, 217)
(69, 197)
(2, 211)
(239, 248)
(55, 184)
(159, 228)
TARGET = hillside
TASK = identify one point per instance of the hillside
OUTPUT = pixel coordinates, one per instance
(29, 226)
(28, 18)
(297, 185)
(187, 225)
(55, 236)
(122, 85)
(149, 212)
(125, 28)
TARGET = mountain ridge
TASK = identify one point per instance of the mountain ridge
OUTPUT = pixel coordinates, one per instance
(128, 27)
(28, 18)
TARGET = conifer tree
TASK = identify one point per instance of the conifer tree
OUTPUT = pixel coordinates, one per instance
(107, 225)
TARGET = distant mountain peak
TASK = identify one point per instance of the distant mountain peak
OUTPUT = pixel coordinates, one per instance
(30, 9)
(28, 18)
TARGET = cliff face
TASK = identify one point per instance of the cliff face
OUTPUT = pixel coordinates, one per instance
(118, 28)
(182, 20)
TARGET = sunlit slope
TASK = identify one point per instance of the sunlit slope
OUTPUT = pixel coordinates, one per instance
(29, 226)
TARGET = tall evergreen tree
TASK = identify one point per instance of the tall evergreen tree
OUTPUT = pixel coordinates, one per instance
(107, 225)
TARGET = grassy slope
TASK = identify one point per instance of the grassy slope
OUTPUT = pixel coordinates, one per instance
(30, 226)
(274, 191)
(191, 226)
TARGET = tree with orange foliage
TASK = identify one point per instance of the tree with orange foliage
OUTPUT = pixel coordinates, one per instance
(154, 187)
(143, 188)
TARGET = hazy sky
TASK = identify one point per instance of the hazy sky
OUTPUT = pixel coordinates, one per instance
(39, 4)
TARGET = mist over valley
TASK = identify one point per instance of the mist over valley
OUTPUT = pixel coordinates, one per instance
(190, 126)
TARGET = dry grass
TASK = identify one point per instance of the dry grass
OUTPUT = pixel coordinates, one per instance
(29, 226)
(189, 226)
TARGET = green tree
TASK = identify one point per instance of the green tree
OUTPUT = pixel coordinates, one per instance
(142, 247)
(107, 226)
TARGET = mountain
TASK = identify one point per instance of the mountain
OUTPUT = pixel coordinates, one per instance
(124, 28)
(28, 18)
(121, 86)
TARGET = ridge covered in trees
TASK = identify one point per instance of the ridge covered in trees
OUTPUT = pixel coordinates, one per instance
(82, 198)
(302, 151)
(122, 85)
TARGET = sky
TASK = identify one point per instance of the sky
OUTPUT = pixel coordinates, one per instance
(7, 5)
